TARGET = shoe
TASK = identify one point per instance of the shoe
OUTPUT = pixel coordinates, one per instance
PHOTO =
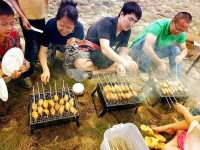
(154, 143)
(26, 82)
(79, 75)
(144, 76)
(149, 131)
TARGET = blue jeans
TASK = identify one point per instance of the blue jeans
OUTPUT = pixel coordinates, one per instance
(32, 43)
(136, 51)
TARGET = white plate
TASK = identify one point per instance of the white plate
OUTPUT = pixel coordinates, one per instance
(12, 60)
(3, 90)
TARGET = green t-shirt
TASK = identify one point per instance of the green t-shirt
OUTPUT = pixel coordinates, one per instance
(160, 29)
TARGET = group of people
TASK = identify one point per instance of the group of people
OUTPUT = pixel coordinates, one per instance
(105, 46)
(104, 49)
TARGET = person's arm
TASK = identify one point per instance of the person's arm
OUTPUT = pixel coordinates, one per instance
(185, 112)
(45, 76)
(46, 5)
(107, 50)
(150, 40)
(183, 53)
(25, 21)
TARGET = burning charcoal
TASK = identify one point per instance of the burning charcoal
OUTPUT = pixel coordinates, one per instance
(35, 115)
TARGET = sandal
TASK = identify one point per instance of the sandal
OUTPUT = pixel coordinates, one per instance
(154, 143)
(149, 131)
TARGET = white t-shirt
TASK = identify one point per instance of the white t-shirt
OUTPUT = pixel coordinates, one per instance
(192, 140)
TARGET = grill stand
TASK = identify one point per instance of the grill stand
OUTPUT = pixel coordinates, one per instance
(156, 97)
(54, 123)
(109, 108)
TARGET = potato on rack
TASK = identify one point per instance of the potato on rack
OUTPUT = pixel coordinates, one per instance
(34, 106)
(34, 115)
(56, 98)
(73, 110)
(40, 102)
(45, 104)
(52, 111)
(51, 103)
(40, 110)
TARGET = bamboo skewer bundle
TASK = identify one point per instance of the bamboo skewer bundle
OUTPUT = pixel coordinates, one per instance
(118, 143)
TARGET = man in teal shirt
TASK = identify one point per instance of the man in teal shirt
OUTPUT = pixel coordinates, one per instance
(162, 38)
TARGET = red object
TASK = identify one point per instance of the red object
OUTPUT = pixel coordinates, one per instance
(87, 45)
(181, 139)
(13, 40)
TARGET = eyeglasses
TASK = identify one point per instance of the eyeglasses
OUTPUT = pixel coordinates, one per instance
(178, 29)
(65, 28)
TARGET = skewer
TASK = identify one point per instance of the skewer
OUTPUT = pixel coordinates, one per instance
(43, 92)
(63, 89)
(55, 88)
(33, 94)
(38, 90)
(171, 93)
(50, 91)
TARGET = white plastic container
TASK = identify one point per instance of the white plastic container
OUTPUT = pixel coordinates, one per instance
(129, 132)
(78, 88)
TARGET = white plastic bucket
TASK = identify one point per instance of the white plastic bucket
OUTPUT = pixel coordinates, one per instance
(129, 132)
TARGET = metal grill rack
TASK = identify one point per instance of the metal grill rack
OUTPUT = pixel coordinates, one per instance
(122, 94)
(50, 120)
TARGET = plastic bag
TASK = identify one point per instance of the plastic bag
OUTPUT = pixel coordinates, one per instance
(129, 132)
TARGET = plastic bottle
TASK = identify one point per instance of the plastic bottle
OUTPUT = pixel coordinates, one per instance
(145, 94)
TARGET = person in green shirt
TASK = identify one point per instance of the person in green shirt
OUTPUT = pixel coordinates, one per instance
(162, 38)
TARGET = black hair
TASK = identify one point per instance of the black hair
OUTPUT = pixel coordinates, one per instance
(183, 15)
(68, 9)
(5, 9)
(131, 7)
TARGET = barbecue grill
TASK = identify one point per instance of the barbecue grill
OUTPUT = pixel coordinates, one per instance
(114, 93)
(45, 120)
(167, 88)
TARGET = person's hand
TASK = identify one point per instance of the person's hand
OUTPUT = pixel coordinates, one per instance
(45, 76)
(24, 67)
(181, 109)
(16, 74)
(162, 67)
(71, 41)
(121, 70)
(130, 65)
(178, 59)
(26, 24)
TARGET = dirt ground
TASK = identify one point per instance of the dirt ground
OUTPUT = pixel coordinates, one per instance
(14, 114)
(15, 129)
